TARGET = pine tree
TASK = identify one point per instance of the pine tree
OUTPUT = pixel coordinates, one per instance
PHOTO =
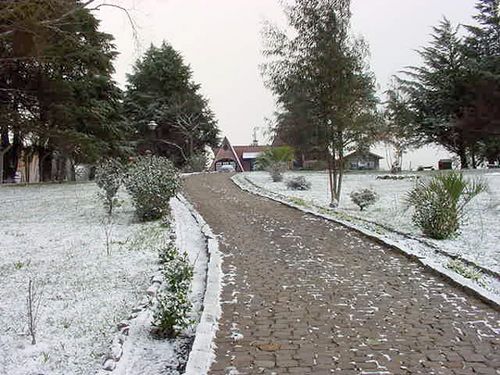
(438, 92)
(161, 89)
(58, 81)
(481, 118)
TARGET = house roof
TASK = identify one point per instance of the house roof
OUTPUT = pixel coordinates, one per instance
(363, 153)
(240, 150)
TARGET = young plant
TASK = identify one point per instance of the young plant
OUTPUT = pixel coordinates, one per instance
(276, 161)
(33, 301)
(107, 227)
(439, 203)
(151, 182)
(172, 307)
(298, 183)
(109, 176)
(364, 198)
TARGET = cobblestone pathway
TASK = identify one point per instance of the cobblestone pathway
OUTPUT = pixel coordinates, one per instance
(303, 295)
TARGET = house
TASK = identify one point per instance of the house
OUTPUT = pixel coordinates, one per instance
(241, 158)
(362, 160)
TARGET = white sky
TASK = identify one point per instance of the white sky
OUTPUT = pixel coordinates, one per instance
(221, 41)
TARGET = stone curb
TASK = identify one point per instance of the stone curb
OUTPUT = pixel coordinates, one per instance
(458, 280)
(115, 351)
(202, 353)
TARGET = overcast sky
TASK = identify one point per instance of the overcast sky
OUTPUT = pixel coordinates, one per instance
(221, 41)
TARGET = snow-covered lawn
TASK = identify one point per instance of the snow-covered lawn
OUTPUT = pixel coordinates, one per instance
(53, 235)
(479, 238)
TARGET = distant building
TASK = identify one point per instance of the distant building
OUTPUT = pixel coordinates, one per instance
(362, 160)
(241, 158)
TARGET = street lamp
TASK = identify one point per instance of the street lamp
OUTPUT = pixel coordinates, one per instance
(152, 125)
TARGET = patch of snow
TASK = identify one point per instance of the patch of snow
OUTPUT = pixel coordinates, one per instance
(489, 289)
(54, 235)
(202, 353)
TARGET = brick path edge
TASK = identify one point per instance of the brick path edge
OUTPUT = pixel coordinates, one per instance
(203, 351)
(463, 283)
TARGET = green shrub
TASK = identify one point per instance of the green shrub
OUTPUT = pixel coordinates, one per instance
(275, 161)
(171, 312)
(172, 307)
(439, 203)
(109, 176)
(364, 198)
(298, 183)
(151, 182)
(464, 270)
(196, 163)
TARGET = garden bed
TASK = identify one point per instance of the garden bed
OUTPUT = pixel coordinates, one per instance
(94, 279)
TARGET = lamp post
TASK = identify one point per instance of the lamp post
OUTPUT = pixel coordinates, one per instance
(152, 126)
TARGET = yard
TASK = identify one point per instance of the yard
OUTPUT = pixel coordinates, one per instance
(479, 237)
(56, 236)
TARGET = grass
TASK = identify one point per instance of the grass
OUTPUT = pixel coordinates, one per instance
(469, 272)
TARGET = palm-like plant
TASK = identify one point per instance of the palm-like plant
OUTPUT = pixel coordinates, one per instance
(439, 203)
(276, 161)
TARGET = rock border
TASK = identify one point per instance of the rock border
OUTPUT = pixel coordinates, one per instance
(115, 351)
(202, 352)
(458, 280)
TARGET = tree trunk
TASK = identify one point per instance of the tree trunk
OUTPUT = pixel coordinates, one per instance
(464, 164)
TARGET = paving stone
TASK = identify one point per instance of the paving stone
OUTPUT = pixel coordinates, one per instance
(331, 298)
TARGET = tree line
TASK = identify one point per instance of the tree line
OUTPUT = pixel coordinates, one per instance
(60, 105)
(326, 93)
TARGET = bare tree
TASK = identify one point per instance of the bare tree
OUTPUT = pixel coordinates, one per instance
(33, 301)
(11, 6)
(189, 124)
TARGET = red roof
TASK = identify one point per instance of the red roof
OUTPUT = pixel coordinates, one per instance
(241, 149)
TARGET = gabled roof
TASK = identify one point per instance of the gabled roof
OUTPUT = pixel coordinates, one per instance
(220, 153)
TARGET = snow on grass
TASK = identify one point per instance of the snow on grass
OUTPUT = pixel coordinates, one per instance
(479, 237)
(53, 234)
(144, 355)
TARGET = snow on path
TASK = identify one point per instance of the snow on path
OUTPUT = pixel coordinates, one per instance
(477, 241)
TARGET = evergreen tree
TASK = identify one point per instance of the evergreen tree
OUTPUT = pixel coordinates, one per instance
(481, 118)
(438, 91)
(322, 61)
(57, 80)
(161, 90)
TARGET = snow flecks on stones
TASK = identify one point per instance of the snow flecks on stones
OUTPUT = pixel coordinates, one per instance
(347, 308)
(430, 253)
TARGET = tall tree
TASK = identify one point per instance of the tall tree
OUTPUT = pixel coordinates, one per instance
(56, 90)
(161, 91)
(481, 117)
(438, 90)
(321, 60)
(399, 130)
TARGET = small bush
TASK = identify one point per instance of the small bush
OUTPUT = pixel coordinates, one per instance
(364, 198)
(464, 270)
(168, 253)
(171, 312)
(109, 177)
(298, 183)
(151, 182)
(276, 169)
(196, 163)
(439, 203)
(172, 307)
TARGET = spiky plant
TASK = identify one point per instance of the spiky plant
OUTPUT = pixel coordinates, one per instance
(439, 203)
